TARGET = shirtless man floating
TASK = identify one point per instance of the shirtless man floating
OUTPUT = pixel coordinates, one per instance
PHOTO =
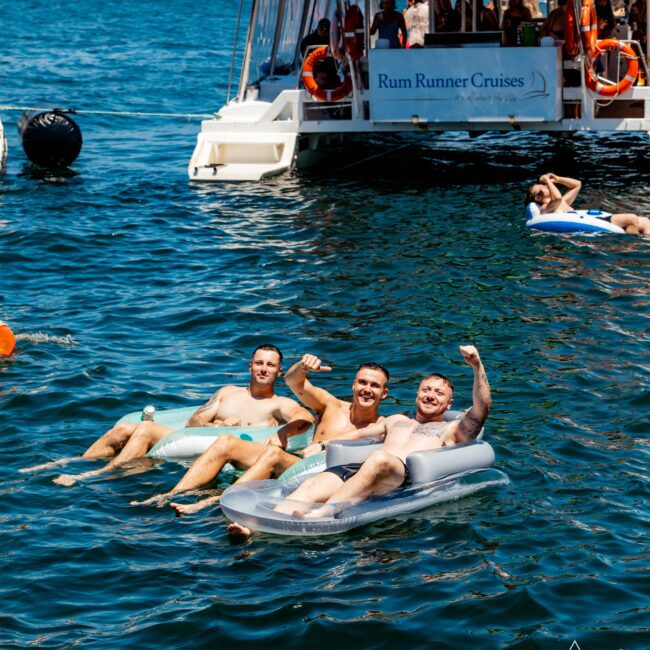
(256, 404)
(386, 470)
(335, 416)
(549, 199)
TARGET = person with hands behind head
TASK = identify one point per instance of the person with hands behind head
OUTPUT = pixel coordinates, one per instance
(334, 416)
(549, 199)
(385, 470)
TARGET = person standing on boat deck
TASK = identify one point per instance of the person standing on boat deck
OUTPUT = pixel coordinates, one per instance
(549, 199)
(256, 404)
(416, 19)
(486, 19)
(447, 18)
(514, 15)
(554, 24)
(385, 470)
(334, 417)
(606, 20)
(320, 36)
(389, 23)
(638, 21)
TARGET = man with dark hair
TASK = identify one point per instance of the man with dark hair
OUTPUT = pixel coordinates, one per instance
(386, 470)
(320, 36)
(334, 416)
(255, 404)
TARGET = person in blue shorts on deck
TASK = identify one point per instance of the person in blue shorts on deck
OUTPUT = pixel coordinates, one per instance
(548, 199)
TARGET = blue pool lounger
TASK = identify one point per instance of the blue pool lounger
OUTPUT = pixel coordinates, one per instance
(575, 221)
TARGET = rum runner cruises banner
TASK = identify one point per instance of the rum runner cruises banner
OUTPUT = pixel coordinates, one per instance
(466, 84)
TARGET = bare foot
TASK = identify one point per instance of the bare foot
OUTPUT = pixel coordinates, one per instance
(190, 508)
(66, 479)
(50, 465)
(238, 533)
(71, 479)
(156, 500)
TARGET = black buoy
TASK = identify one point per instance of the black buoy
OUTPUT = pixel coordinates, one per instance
(51, 139)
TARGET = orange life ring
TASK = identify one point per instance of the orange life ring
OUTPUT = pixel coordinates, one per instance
(322, 94)
(354, 32)
(632, 72)
(571, 47)
(589, 27)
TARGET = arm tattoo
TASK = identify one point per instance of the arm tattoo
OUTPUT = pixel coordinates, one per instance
(470, 425)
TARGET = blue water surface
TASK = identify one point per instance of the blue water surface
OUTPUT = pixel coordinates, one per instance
(128, 285)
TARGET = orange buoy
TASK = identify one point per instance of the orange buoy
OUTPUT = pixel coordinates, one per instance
(7, 340)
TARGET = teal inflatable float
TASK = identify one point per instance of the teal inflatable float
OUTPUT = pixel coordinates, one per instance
(190, 442)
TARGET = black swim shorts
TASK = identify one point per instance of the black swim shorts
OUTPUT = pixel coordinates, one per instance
(346, 472)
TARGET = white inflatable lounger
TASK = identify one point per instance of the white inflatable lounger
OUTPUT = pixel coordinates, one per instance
(574, 221)
(435, 476)
(189, 442)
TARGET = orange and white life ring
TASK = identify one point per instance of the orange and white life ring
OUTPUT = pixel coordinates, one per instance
(322, 94)
(354, 32)
(571, 45)
(631, 73)
(589, 27)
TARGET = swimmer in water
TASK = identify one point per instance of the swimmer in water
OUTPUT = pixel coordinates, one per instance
(255, 404)
(550, 200)
(385, 470)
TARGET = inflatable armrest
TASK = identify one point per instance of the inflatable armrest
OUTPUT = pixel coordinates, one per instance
(342, 452)
(427, 466)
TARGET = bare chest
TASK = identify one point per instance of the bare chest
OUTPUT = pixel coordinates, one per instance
(249, 411)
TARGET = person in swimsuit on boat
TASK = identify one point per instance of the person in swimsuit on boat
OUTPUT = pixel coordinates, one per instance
(389, 23)
(549, 199)
(255, 405)
(335, 416)
(516, 14)
(554, 24)
(385, 470)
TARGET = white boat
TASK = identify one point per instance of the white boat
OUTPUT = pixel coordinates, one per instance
(3, 150)
(461, 81)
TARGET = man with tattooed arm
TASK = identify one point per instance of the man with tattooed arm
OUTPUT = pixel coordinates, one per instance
(386, 470)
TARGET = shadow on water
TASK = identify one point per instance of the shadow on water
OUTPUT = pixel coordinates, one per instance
(431, 159)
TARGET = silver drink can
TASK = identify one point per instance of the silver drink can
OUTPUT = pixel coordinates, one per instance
(148, 413)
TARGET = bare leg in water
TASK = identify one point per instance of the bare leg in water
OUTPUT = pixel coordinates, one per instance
(110, 444)
(142, 437)
(270, 463)
(632, 224)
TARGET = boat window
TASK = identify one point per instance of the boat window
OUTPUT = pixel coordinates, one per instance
(289, 35)
(261, 40)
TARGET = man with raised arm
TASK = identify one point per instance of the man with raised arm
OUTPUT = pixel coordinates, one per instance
(386, 470)
(256, 404)
(334, 416)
